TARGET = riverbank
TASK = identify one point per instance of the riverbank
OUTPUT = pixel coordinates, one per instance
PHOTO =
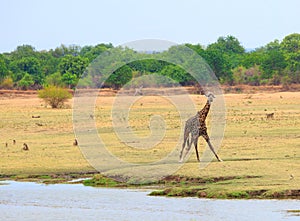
(171, 186)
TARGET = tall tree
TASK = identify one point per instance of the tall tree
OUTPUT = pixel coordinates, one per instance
(220, 64)
(71, 68)
(273, 60)
(229, 45)
(24, 51)
(30, 65)
(291, 49)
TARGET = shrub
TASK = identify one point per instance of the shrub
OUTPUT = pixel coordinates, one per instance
(7, 83)
(54, 96)
(239, 75)
(286, 82)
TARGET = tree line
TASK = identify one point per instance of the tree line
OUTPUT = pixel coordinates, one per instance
(276, 63)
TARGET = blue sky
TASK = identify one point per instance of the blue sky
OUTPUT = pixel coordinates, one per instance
(50, 23)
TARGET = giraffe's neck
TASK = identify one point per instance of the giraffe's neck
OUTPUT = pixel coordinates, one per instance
(204, 111)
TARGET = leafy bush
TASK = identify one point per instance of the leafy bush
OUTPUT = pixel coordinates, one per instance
(7, 83)
(54, 96)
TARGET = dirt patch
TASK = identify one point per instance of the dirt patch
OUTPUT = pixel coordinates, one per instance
(259, 89)
(286, 194)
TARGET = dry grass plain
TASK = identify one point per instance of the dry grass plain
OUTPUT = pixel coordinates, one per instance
(259, 154)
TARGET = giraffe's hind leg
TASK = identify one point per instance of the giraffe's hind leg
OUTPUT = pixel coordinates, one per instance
(189, 145)
(185, 140)
(206, 137)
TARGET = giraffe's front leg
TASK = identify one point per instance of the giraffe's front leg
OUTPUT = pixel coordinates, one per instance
(196, 148)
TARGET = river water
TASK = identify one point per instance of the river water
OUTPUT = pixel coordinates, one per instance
(34, 201)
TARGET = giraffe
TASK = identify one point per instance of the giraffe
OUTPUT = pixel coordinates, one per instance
(196, 126)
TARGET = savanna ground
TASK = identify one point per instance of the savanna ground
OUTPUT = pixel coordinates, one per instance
(261, 157)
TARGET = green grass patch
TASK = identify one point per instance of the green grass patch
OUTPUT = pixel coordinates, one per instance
(102, 181)
(238, 195)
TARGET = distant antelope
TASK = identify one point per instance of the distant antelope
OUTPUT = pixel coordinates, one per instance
(25, 146)
(138, 91)
(6, 144)
(14, 142)
(270, 116)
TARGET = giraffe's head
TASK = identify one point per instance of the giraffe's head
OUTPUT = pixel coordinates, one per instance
(210, 97)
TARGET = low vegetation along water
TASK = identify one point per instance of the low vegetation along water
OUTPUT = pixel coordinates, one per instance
(35, 201)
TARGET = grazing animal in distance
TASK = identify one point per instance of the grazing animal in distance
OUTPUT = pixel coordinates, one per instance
(25, 146)
(6, 144)
(270, 116)
(196, 126)
(14, 142)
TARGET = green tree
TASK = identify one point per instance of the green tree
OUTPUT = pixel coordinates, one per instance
(197, 48)
(147, 65)
(290, 46)
(220, 64)
(26, 82)
(223, 56)
(176, 73)
(119, 77)
(54, 79)
(229, 45)
(253, 58)
(71, 68)
(272, 62)
(91, 52)
(30, 65)
(24, 51)
(48, 63)
(64, 50)
(3, 68)
(69, 79)
(291, 43)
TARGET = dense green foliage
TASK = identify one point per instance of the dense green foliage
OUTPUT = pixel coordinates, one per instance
(275, 63)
